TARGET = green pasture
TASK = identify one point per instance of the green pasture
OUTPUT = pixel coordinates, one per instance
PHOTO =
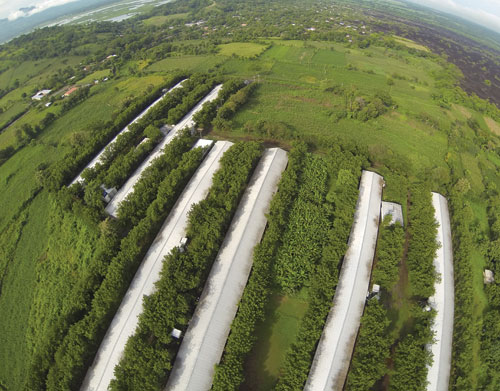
(188, 63)
(160, 20)
(241, 49)
(97, 75)
(274, 336)
(17, 293)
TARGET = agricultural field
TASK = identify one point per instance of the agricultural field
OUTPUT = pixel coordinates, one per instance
(338, 99)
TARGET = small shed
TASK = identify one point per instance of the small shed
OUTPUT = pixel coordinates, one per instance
(176, 333)
(393, 209)
(488, 276)
(108, 194)
(41, 94)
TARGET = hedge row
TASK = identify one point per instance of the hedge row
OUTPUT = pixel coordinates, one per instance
(412, 356)
(305, 234)
(343, 196)
(231, 106)
(204, 117)
(422, 229)
(390, 248)
(372, 349)
(149, 353)
(229, 374)
(77, 350)
(132, 209)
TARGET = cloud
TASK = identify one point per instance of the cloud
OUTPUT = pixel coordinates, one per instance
(483, 12)
(35, 7)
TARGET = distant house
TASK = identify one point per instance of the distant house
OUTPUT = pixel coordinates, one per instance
(70, 91)
(41, 94)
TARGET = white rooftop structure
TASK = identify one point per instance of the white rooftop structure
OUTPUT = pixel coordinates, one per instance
(186, 122)
(206, 336)
(173, 230)
(97, 159)
(438, 374)
(334, 351)
(41, 94)
(393, 209)
(488, 276)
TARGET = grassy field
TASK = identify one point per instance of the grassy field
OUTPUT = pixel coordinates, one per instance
(162, 19)
(189, 63)
(274, 337)
(17, 293)
(241, 49)
(409, 43)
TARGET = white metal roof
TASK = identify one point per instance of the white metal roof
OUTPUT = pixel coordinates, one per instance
(187, 121)
(393, 209)
(96, 159)
(204, 341)
(438, 374)
(173, 230)
(331, 361)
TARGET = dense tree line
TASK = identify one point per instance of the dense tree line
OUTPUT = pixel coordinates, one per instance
(132, 209)
(304, 237)
(150, 352)
(422, 228)
(223, 119)
(390, 248)
(342, 196)
(372, 348)
(229, 374)
(412, 355)
(204, 117)
(76, 351)
(463, 328)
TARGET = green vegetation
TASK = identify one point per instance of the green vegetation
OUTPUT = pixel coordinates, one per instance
(150, 351)
(64, 265)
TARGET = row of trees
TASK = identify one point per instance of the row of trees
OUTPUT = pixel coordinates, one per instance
(342, 196)
(374, 340)
(133, 207)
(229, 374)
(223, 120)
(423, 244)
(150, 352)
(304, 237)
(372, 349)
(76, 351)
(463, 327)
(204, 117)
(390, 248)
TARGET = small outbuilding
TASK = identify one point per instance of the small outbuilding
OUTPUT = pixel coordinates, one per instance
(488, 276)
(176, 333)
(108, 194)
(41, 94)
(393, 209)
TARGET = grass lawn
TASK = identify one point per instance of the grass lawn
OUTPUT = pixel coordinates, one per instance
(411, 44)
(162, 19)
(241, 49)
(97, 75)
(17, 292)
(191, 63)
(274, 337)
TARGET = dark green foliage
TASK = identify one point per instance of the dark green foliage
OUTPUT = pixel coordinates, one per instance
(372, 348)
(422, 228)
(149, 353)
(412, 356)
(463, 328)
(229, 373)
(305, 233)
(133, 208)
(229, 108)
(323, 280)
(78, 348)
(389, 252)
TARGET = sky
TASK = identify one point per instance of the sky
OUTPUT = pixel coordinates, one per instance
(10, 9)
(483, 12)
